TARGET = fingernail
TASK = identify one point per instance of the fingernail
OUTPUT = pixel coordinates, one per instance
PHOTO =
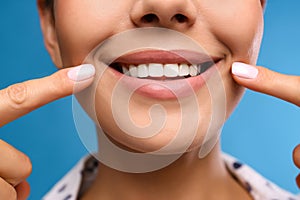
(243, 70)
(81, 73)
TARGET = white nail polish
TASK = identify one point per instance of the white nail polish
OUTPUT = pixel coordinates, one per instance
(81, 72)
(243, 70)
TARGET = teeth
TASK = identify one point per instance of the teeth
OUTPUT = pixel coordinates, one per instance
(156, 70)
(125, 71)
(171, 70)
(193, 70)
(160, 70)
(184, 70)
(133, 71)
(143, 71)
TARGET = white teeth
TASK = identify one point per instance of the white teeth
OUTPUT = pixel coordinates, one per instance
(133, 71)
(143, 71)
(171, 70)
(184, 70)
(160, 70)
(193, 70)
(156, 70)
(125, 71)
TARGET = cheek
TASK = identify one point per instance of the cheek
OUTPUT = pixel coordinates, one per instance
(234, 93)
(82, 25)
(239, 26)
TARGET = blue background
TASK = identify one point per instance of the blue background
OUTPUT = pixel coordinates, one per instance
(262, 132)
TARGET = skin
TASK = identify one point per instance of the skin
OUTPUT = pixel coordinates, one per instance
(69, 43)
(66, 49)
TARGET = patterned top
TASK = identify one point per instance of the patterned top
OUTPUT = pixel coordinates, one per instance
(75, 183)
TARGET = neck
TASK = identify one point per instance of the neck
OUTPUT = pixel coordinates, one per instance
(189, 176)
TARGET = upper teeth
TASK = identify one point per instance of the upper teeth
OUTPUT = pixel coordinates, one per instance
(160, 70)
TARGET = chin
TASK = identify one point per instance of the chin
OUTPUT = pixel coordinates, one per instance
(177, 136)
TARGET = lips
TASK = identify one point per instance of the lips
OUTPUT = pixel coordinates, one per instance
(164, 74)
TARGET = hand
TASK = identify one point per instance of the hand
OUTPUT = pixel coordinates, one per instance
(296, 158)
(272, 83)
(18, 100)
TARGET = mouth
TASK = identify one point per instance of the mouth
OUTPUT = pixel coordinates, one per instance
(165, 74)
(162, 71)
(163, 65)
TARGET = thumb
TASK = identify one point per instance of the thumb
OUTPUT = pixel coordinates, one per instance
(263, 80)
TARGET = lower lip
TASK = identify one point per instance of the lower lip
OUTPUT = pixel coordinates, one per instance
(169, 89)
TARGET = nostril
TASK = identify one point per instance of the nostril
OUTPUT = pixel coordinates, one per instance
(150, 18)
(180, 18)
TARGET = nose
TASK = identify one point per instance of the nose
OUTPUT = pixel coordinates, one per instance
(164, 13)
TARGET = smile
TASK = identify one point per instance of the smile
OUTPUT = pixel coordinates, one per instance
(160, 71)
(163, 64)
(165, 74)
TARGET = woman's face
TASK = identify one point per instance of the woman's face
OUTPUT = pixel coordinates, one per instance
(228, 30)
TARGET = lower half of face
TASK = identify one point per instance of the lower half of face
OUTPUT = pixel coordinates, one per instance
(154, 116)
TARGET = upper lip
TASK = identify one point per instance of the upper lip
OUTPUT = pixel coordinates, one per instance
(166, 57)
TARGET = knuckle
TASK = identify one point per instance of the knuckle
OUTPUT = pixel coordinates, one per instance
(59, 84)
(26, 167)
(7, 191)
(13, 194)
(268, 75)
(21, 162)
(17, 95)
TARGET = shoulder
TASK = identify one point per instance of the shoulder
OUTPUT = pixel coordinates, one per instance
(67, 188)
(258, 186)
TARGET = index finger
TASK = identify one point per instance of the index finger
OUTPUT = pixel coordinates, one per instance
(21, 98)
(260, 79)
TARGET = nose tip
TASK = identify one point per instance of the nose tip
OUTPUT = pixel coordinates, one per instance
(163, 13)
